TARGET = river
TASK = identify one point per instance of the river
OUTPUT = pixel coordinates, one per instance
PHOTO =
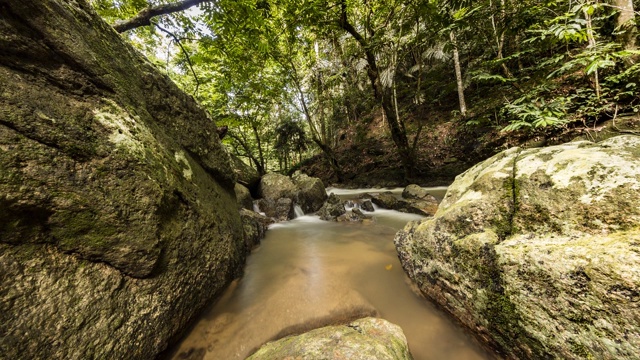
(309, 273)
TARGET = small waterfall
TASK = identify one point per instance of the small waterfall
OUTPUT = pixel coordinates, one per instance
(297, 211)
(256, 208)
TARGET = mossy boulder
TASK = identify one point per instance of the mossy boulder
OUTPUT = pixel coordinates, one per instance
(366, 339)
(118, 220)
(537, 251)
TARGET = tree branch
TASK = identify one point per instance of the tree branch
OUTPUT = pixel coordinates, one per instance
(143, 18)
(186, 54)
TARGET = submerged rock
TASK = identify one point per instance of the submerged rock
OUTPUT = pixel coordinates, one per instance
(426, 205)
(366, 339)
(538, 251)
(118, 220)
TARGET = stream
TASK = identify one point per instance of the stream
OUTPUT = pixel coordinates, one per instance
(309, 273)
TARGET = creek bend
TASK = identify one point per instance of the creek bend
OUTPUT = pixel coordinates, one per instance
(309, 273)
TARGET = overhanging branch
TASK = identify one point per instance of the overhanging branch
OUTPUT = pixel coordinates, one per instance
(143, 18)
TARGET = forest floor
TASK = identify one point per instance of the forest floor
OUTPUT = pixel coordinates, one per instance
(445, 148)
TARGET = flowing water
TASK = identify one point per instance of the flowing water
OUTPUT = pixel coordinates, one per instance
(309, 273)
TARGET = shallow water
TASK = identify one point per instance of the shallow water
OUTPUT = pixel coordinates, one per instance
(309, 273)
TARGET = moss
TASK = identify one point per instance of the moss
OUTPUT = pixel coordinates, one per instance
(82, 229)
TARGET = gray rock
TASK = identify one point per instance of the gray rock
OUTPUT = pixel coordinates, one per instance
(275, 186)
(311, 193)
(536, 251)
(426, 207)
(387, 200)
(367, 205)
(118, 221)
(414, 191)
(333, 208)
(366, 339)
(280, 210)
(245, 201)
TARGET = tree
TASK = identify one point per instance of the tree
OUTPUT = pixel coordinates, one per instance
(383, 95)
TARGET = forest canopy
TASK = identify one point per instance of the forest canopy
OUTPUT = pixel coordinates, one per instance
(287, 77)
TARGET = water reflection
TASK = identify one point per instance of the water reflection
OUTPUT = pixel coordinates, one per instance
(309, 273)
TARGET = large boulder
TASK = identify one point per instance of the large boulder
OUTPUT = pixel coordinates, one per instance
(275, 186)
(366, 339)
(311, 192)
(279, 210)
(538, 251)
(118, 220)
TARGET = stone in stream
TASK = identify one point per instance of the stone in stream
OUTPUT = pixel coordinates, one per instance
(366, 205)
(276, 189)
(415, 203)
(538, 251)
(311, 193)
(363, 339)
(118, 220)
(333, 208)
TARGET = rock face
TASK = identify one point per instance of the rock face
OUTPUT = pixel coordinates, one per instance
(118, 220)
(538, 251)
(366, 339)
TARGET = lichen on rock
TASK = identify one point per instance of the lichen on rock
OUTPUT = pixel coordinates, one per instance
(536, 251)
(366, 339)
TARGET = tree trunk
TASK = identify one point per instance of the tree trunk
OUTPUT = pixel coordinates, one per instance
(383, 96)
(624, 22)
(324, 147)
(459, 82)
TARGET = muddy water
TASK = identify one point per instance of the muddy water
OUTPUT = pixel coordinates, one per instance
(309, 273)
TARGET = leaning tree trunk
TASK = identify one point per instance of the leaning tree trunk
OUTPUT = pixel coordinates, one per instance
(458, 70)
(118, 220)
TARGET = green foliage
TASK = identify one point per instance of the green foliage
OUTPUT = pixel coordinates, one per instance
(263, 66)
